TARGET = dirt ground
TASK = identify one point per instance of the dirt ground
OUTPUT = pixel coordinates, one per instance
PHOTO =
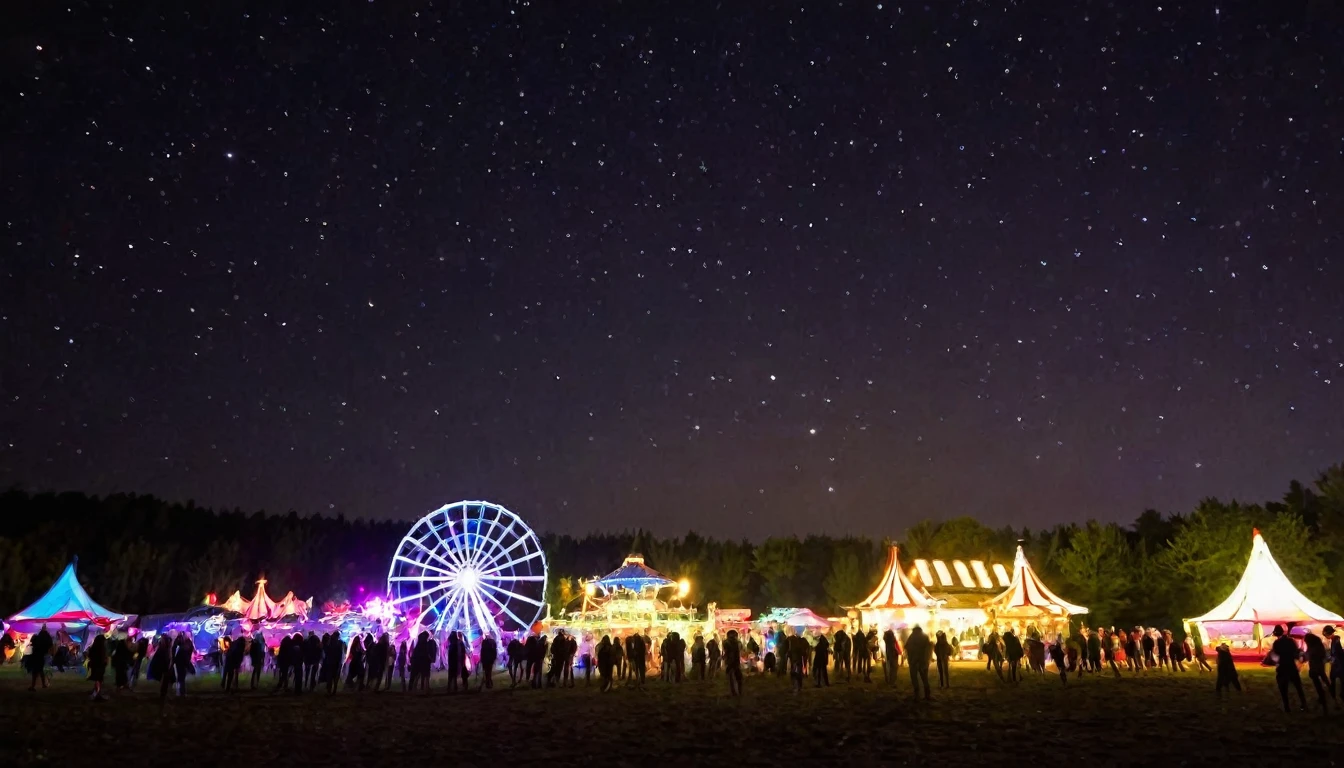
(978, 721)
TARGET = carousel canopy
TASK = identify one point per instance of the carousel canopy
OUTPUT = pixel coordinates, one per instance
(1265, 595)
(633, 575)
(895, 590)
(1027, 594)
(65, 606)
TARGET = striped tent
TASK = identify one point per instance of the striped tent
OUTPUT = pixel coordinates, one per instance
(1027, 596)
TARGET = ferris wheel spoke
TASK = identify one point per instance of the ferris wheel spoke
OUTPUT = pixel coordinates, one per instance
(483, 619)
(501, 577)
(530, 556)
(430, 579)
(422, 594)
(515, 595)
(463, 536)
(504, 553)
(449, 551)
(481, 555)
(426, 566)
(443, 612)
(505, 608)
(419, 544)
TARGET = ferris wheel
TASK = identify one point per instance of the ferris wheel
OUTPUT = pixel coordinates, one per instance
(472, 566)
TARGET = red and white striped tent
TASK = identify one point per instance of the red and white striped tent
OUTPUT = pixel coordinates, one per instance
(896, 601)
(1028, 597)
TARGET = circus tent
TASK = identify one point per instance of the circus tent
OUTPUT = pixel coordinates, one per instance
(262, 608)
(66, 605)
(1264, 596)
(1027, 597)
(896, 601)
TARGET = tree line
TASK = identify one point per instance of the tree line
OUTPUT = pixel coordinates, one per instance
(141, 554)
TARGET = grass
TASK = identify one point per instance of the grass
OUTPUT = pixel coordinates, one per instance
(979, 721)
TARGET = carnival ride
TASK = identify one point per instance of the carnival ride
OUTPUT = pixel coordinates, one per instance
(631, 598)
(471, 566)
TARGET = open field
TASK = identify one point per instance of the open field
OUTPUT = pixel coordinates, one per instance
(980, 721)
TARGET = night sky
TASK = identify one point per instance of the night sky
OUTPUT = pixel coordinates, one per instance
(742, 267)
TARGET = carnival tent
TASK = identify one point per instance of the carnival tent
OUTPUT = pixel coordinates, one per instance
(895, 590)
(633, 575)
(1027, 597)
(1266, 596)
(66, 605)
(262, 608)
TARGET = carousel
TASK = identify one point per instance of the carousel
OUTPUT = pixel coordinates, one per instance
(1028, 605)
(634, 597)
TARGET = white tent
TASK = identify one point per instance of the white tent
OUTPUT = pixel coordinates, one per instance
(1266, 596)
(1028, 597)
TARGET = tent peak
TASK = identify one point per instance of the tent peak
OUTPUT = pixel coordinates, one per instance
(1255, 534)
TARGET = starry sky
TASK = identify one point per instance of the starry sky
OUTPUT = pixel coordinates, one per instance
(748, 268)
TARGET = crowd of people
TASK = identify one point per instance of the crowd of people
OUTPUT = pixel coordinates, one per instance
(367, 662)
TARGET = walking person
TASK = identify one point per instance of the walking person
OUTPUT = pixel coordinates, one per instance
(698, 658)
(1227, 671)
(1286, 674)
(890, 655)
(1336, 662)
(122, 654)
(1057, 657)
(402, 658)
(715, 655)
(1316, 655)
(183, 656)
(1012, 648)
(586, 657)
(37, 660)
(489, 653)
(161, 667)
(141, 658)
(257, 655)
(605, 663)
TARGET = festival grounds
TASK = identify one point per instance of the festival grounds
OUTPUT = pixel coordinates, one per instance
(1176, 719)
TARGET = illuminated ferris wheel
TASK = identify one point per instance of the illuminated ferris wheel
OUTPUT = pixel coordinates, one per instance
(472, 566)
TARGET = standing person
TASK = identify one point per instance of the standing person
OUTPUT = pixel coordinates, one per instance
(715, 655)
(183, 656)
(1094, 650)
(455, 657)
(942, 651)
(536, 659)
(698, 658)
(1286, 674)
(732, 663)
(797, 649)
(312, 659)
(638, 653)
(489, 653)
(1336, 661)
(1109, 647)
(821, 660)
(1163, 646)
(841, 648)
(1012, 649)
(418, 652)
(889, 656)
(141, 658)
(282, 662)
(517, 660)
(97, 660)
(161, 666)
(121, 663)
(296, 661)
(1316, 655)
(402, 658)
(355, 675)
(605, 663)
(1227, 670)
(1149, 645)
(617, 652)
(586, 656)
(994, 651)
(233, 662)
(917, 652)
(1057, 656)
(1133, 653)
(463, 668)
(37, 665)
(1177, 652)
(257, 654)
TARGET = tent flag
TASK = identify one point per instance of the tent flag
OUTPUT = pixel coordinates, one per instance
(1265, 595)
(66, 605)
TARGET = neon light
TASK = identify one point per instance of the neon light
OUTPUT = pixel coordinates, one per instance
(925, 575)
(1001, 574)
(964, 574)
(944, 575)
(981, 574)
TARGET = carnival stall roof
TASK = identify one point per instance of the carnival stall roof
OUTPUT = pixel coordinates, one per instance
(1266, 596)
(1028, 597)
(895, 590)
(262, 608)
(65, 606)
(633, 575)
(802, 618)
